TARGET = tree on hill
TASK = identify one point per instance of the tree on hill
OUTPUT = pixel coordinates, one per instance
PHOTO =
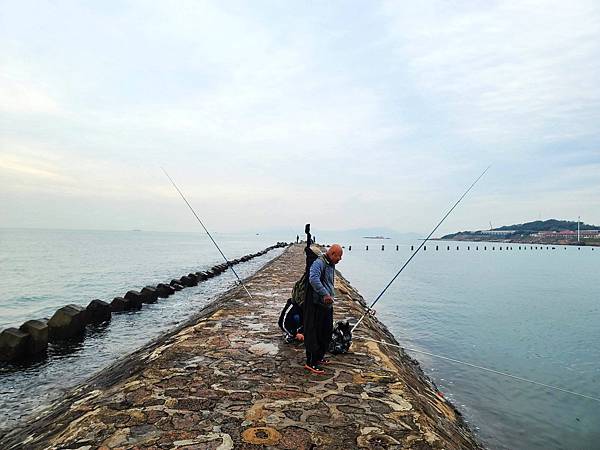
(533, 227)
(548, 225)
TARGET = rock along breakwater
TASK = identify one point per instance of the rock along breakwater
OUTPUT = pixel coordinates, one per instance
(226, 379)
(69, 322)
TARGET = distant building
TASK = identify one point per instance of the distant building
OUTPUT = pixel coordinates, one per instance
(569, 234)
(497, 232)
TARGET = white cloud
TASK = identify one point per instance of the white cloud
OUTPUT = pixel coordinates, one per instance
(375, 115)
(509, 71)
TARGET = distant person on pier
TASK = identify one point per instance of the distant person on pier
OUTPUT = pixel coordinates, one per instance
(297, 238)
(318, 309)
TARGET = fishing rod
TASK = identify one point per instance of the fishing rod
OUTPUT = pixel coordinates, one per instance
(207, 232)
(370, 308)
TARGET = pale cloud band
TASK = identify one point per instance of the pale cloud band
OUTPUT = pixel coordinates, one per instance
(375, 113)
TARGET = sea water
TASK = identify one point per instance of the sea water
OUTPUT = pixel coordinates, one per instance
(531, 313)
(42, 270)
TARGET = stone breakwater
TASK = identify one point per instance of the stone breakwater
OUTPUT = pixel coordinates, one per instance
(69, 322)
(226, 379)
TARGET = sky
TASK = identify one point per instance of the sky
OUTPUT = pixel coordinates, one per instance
(272, 114)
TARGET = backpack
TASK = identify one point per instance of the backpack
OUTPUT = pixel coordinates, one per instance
(299, 290)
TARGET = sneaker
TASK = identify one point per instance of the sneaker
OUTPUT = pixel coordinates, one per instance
(323, 362)
(314, 369)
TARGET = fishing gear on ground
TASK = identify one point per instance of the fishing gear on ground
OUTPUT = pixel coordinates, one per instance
(341, 338)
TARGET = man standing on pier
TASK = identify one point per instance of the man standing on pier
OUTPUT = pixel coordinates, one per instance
(318, 309)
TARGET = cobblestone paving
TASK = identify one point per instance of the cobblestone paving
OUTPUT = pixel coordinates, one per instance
(227, 380)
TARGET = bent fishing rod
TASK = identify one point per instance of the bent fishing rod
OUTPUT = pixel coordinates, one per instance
(370, 308)
(208, 233)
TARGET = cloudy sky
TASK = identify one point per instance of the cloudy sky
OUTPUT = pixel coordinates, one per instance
(271, 114)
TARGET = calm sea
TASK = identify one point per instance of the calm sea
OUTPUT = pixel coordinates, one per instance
(42, 270)
(533, 314)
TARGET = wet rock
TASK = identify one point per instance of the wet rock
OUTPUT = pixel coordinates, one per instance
(177, 286)
(202, 276)
(149, 295)
(68, 322)
(187, 281)
(38, 333)
(98, 311)
(13, 344)
(164, 290)
(118, 304)
(136, 299)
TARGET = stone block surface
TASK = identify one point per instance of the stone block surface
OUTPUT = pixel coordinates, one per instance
(98, 311)
(13, 344)
(149, 294)
(118, 304)
(67, 322)
(187, 281)
(38, 333)
(164, 290)
(135, 297)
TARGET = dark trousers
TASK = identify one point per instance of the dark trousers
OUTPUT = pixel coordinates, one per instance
(318, 326)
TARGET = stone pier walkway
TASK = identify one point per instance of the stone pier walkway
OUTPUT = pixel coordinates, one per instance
(227, 380)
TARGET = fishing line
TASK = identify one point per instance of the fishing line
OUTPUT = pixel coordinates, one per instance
(207, 232)
(419, 248)
(497, 372)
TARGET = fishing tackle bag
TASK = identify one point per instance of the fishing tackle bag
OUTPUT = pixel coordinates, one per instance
(300, 287)
(341, 338)
(299, 290)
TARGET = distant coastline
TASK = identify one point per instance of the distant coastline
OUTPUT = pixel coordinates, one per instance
(548, 232)
(581, 243)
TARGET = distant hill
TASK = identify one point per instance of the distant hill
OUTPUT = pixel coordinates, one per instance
(548, 225)
(532, 227)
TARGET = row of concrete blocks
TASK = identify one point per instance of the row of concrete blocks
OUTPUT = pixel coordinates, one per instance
(70, 321)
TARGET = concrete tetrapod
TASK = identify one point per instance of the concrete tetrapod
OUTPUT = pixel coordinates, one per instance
(164, 290)
(13, 344)
(149, 295)
(67, 322)
(176, 284)
(98, 311)
(38, 335)
(136, 299)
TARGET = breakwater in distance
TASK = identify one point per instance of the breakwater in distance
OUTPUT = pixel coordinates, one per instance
(226, 379)
(31, 339)
(476, 246)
